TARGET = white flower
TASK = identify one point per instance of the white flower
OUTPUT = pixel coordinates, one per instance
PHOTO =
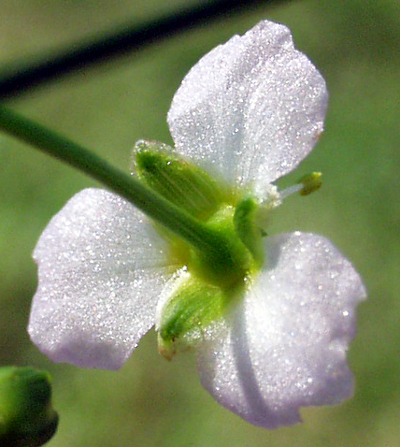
(250, 110)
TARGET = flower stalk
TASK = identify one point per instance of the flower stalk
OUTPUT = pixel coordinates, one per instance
(204, 238)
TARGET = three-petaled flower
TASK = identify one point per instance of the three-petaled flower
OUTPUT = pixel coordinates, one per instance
(249, 111)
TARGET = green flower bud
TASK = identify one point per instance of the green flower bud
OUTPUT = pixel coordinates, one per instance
(27, 418)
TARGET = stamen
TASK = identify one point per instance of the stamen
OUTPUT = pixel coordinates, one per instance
(269, 197)
(311, 182)
(290, 190)
(306, 185)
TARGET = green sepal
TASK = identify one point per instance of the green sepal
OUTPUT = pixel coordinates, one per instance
(251, 235)
(182, 183)
(193, 307)
(27, 418)
(223, 271)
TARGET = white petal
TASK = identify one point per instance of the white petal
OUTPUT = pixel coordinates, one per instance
(285, 345)
(252, 108)
(100, 276)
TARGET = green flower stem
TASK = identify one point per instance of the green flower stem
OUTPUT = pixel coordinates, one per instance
(196, 233)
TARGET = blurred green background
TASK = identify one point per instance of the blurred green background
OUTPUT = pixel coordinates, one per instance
(355, 44)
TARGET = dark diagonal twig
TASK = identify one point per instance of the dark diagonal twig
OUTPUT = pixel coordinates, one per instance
(117, 43)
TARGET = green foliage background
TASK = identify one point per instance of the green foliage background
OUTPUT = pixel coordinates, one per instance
(355, 44)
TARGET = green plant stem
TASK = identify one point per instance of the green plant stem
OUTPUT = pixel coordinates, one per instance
(152, 204)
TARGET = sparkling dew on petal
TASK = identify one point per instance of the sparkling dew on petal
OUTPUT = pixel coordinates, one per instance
(100, 276)
(285, 346)
(251, 109)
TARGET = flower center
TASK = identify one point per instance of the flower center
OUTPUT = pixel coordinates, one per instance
(214, 273)
(207, 284)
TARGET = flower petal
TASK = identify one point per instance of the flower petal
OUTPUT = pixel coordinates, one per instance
(285, 345)
(100, 276)
(252, 109)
